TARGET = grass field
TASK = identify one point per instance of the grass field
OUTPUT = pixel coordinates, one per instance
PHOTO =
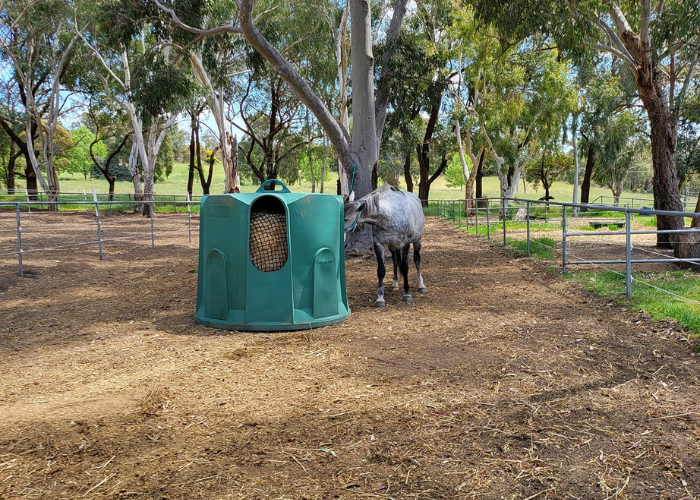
(176, 184)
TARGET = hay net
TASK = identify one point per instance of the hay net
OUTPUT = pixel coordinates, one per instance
(268, 236)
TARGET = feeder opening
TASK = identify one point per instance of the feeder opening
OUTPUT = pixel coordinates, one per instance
(268, 234)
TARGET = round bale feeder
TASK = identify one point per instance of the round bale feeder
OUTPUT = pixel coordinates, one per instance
(271, 261)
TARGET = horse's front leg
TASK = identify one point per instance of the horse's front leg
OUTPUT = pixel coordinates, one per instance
(416, 260)
(381, 271)
(404, 272)
(395, 259)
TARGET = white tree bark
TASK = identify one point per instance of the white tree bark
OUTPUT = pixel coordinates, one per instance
(341, 55)
(215, 101)
(45, 114)
(364, 138)
(382, 98)
(146, 151)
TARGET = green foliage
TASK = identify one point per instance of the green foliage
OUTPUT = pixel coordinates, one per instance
(539, 247)
(165, 159)
(120, 171)
(454, 174)
(550, 166)
(80, 160)
(159, 86)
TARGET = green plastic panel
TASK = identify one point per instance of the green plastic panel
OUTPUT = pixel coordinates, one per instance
(308, 291)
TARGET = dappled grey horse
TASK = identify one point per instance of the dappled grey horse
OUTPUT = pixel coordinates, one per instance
(397, 220)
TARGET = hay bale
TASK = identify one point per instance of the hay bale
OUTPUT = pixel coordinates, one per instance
(268, 241)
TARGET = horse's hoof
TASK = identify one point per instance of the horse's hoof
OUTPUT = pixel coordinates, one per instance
(394, 287)
(379, 303)
(423, 290)
(407, 297)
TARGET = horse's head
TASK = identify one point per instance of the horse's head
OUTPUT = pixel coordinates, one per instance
(352, 212)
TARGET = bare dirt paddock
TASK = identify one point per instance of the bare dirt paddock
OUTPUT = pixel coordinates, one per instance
(503, 381)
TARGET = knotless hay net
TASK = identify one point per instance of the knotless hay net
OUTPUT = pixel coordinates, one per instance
(268, 241)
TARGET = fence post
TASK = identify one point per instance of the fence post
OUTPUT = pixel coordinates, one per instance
(99, 224)
(563, 240)
(189, 216)
(527, 217)
(476, 216)
(459, 216)
(86, 204)
(628, 255)
(503, 211)
(151, 209)
(19, 242)
(488, 219)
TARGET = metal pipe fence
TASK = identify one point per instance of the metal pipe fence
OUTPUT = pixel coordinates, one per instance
(482, 216)
(98, 224)
(643, 202)
(550, 215)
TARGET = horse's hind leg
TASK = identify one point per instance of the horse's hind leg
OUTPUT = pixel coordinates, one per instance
(381, 271)
(404, 272)
(416, 259)
(395, 259)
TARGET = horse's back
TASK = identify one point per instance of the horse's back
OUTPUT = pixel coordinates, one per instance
(403, 220)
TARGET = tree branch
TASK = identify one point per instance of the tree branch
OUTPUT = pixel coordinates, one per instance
(612, 50)
(688, 79)
(335, 132)
(202, 33)
(644, 24)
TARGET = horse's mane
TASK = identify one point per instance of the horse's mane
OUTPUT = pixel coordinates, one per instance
(372, 199)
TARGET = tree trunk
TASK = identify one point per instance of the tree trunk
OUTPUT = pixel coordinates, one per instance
(11, 168)
(407, 173)
(479, 194)
(386, 76)
(31, 182)
(190, 174)
(689, 243)
(204, 182)
(665, 180)
(423, 154)
(587, 175)
(364, 139)
(543, 178)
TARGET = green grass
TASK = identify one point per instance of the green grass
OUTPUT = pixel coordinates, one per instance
(539, 247)
(651, 300)
(176, 184)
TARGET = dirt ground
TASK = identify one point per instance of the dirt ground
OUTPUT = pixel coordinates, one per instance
(504, 381)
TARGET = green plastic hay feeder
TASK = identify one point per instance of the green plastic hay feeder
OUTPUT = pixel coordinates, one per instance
(271, 261)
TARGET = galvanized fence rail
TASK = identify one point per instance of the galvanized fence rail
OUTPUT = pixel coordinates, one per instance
(99, 205)
(498, 211)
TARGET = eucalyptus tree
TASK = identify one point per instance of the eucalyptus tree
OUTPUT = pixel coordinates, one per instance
(518, 97)
(11, 122)
(473, 47)
(359, 152)
(41, 45)
(215, 59)
(273, 116)
(421, 55)
(659, 44)
(110, 128)
(688, 160)
(605, 91)
(619, 147)
(552, 164)
(135, 63)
